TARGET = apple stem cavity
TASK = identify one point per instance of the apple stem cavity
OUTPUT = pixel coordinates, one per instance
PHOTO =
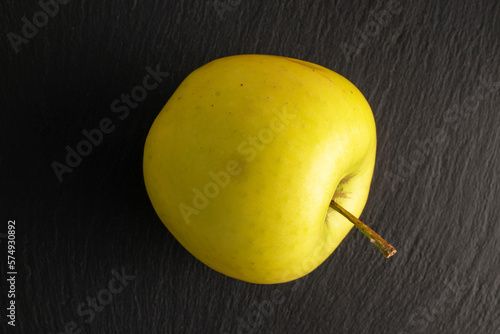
(376, 239)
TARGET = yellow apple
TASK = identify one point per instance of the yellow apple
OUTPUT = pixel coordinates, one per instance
(245, 159)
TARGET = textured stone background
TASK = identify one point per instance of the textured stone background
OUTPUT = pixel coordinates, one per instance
(429, 69)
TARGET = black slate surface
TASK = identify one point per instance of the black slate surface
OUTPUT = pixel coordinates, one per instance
(430, 71)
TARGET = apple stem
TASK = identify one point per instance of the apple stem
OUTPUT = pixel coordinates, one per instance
(381, 244)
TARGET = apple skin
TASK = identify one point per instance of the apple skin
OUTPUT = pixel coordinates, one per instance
(243, 160)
